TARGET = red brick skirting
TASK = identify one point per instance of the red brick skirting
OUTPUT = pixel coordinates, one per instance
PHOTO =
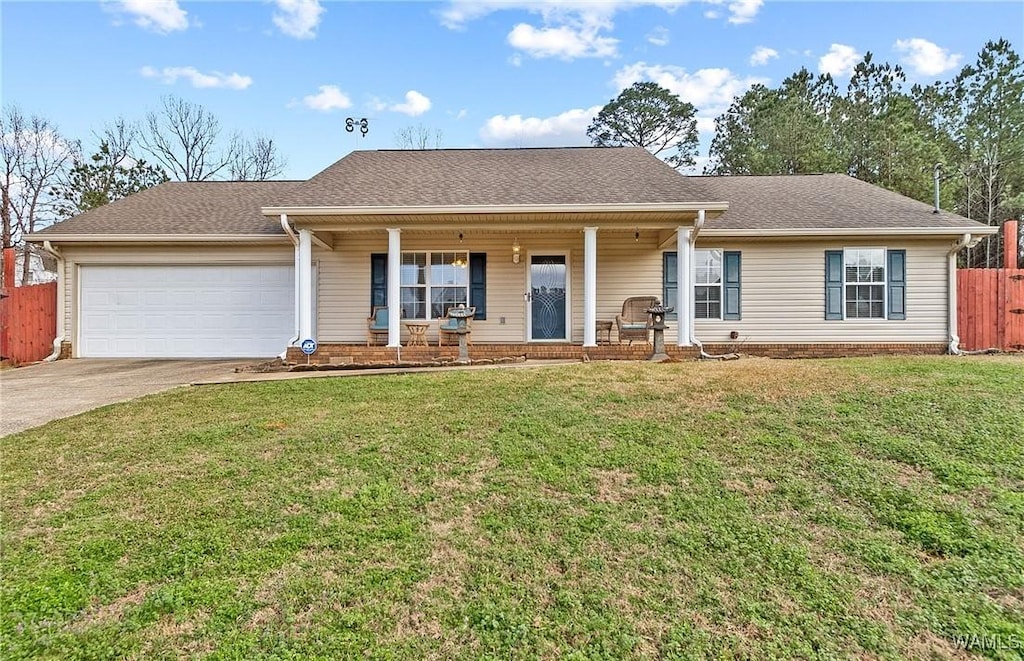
(849, 350)
(361, 354)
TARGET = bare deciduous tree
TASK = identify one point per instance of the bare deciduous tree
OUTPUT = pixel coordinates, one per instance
(182, 137)
(256, 160)
(185, 139)
(35, 157)
(418, 137)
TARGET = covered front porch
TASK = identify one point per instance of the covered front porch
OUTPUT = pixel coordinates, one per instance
(544, 283)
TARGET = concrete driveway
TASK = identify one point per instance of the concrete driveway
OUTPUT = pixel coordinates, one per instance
(34, 395)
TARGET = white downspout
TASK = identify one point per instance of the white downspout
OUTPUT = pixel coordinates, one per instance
(295, 277)
(58, 340)
(954, 337)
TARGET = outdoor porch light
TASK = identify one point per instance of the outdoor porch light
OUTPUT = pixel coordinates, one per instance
(515, 250)
(458, 261)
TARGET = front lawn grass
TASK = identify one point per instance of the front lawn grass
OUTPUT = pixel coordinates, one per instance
(866, 508)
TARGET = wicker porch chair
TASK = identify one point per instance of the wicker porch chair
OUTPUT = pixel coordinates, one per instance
(377, 325)
(634, 323)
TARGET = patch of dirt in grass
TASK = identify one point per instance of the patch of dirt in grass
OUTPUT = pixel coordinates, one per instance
(750, 487)
(263, 617)
(97, 615)
(613, 486)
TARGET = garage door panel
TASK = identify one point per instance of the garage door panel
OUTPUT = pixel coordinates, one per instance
(185, 311)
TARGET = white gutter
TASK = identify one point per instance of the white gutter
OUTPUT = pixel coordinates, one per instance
(154, 238)
(286, 226)
(493, 209)
(954, 338)
(58, 340)
(851, 231)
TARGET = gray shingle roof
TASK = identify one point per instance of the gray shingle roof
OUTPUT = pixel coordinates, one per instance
(195, 207)
(461, 177)
(825, 201)
(467, 177)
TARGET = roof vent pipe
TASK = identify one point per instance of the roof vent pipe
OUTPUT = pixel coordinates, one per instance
(937, 177)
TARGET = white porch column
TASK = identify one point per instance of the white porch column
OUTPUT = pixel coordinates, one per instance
(684, 287)
(304, 274)
(394, 287)
(590, 286)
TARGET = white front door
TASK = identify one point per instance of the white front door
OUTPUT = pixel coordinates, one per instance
(185, 311)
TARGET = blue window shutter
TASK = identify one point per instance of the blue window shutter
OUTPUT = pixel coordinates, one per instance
(896, 272)
(478, 283)
(669, 286)
(378, 280)
(731, 285)
(833, 284)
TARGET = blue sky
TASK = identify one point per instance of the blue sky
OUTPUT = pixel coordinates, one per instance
(484, 73)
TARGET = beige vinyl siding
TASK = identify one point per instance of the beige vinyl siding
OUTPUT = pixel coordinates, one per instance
(783, 295)
(79, 255)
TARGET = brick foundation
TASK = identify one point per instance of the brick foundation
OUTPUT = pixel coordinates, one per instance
(361, 354)
(850, 350)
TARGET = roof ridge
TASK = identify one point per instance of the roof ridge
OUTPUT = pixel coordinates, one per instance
(502, 149)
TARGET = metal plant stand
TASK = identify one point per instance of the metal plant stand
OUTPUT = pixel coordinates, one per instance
(658, 313)
(462, 313)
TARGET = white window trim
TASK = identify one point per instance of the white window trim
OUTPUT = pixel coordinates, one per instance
(884, 283)
(720, 285)
(428, 285)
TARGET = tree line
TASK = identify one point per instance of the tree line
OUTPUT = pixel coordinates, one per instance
(879, 129)
(969, 131)
(49, 177)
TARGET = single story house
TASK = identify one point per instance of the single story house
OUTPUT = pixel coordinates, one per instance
(546, 244)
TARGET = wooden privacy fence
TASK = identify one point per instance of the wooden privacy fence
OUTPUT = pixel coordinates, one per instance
(28, 322)
(990, 302)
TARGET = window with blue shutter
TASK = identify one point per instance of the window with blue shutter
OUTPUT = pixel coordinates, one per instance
(716, 290)
(866, 283)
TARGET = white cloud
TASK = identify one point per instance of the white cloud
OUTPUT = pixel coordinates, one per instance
(461, 114)
(740, 11)
(327, 99)
(515, 59)
(198, 79)
(744, 11)
(569, 29)
(567, 128)
(565, 42)
(415, 104)
(839, 60)
(298, 18)
(707, 89)
(161, 16)
(762, 55)
(925, 58)
(659, 36)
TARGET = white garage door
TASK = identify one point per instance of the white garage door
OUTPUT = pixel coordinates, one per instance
(185, 311)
